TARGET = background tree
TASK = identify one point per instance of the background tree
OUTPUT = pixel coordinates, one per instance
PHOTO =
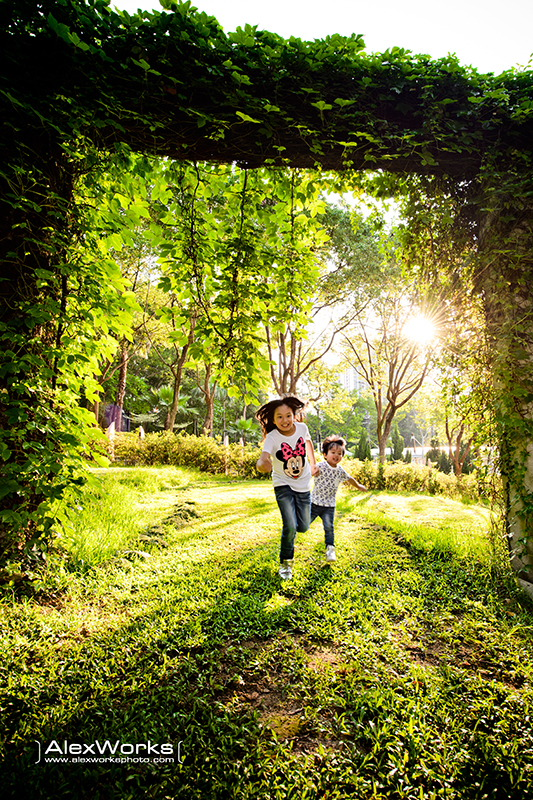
(137, 263)
(393, 366)
(398, 444)
(363, 448)
(337, 412)
(350, 273)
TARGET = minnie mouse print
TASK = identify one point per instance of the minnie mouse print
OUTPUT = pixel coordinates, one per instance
(293, 458)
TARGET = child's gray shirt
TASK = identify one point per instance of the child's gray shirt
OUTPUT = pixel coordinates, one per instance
(326, 484)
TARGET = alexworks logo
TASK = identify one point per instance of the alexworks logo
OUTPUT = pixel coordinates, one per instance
(116, 752)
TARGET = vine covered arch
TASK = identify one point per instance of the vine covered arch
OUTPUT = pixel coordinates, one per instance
(80, 83)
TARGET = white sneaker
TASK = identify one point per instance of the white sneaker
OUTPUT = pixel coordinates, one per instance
(330, 553)
(285, 569)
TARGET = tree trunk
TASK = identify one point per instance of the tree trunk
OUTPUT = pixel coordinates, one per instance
(209, 395)
(455, 451)
(383, 435)
(177, 371)
(121, 385)
(207, 426)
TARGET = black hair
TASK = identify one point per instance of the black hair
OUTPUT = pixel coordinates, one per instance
(265, 414)
(329, 441)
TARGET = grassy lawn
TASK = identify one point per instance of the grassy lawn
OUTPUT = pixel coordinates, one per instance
(404, 670)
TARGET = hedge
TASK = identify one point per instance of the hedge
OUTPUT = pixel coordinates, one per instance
(397, 476)
(210, 455)
(185, 450)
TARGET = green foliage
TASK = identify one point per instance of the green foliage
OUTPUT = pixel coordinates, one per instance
(50, 362)
(338, 412)
(183, 450)
(238, 253)
(398, 444)
(399, 477)
(444, 463)
(434, 453)
(362, 452)
(247, 429)
(355, 262)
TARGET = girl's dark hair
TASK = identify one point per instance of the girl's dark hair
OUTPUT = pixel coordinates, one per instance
(265, 414)
(329, 441)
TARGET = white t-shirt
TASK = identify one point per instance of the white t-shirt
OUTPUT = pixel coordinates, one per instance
(290, 466)
(326, 484)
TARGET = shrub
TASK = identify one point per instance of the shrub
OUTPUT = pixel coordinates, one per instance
(210, 455)
(184, 450)
(362, 451)
(398, 444)
(401, 477)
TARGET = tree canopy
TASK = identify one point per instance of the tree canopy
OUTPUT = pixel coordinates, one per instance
(175, 84)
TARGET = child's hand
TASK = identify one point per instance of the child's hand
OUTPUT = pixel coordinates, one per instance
(315, 470)
(264, 463)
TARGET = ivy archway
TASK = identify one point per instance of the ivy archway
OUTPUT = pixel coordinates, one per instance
(80, 82)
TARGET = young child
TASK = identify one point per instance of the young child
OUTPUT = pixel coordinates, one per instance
(328, 477)
(287, 453)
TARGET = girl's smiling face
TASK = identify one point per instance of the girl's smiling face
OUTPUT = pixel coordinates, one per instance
(284, 420)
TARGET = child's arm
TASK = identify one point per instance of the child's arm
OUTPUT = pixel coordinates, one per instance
(311, 456)
(353, 482)
(264, 462)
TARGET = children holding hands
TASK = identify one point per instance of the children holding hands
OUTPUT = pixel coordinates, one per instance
(288, 453)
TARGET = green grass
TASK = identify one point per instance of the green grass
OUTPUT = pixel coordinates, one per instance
(433, 524)
(403, 671)
(121, 509)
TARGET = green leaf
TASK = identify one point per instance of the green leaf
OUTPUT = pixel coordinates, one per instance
(247, 118)
(141, 63)
(322, 106)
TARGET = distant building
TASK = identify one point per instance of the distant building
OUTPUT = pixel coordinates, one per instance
(352, 382)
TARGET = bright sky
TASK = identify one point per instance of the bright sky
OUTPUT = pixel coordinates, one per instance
(490, 35)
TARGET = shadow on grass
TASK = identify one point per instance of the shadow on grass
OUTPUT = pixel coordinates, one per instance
(148, 680)
(155, 679)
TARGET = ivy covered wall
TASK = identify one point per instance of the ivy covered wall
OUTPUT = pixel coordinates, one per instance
(83, 87)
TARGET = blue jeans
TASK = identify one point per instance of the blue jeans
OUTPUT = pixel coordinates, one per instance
(295, 509)
(326, 514)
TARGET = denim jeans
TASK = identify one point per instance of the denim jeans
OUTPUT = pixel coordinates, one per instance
(326, 514)
(295, 508)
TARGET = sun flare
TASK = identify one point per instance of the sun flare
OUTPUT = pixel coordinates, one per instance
(420, 329)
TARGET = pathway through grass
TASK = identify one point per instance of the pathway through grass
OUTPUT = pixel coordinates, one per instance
(401, 671)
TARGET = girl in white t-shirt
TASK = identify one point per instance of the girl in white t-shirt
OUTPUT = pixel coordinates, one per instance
(287, 453)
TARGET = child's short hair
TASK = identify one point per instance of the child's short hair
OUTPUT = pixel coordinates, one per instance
(329, 441)
(265, 414)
